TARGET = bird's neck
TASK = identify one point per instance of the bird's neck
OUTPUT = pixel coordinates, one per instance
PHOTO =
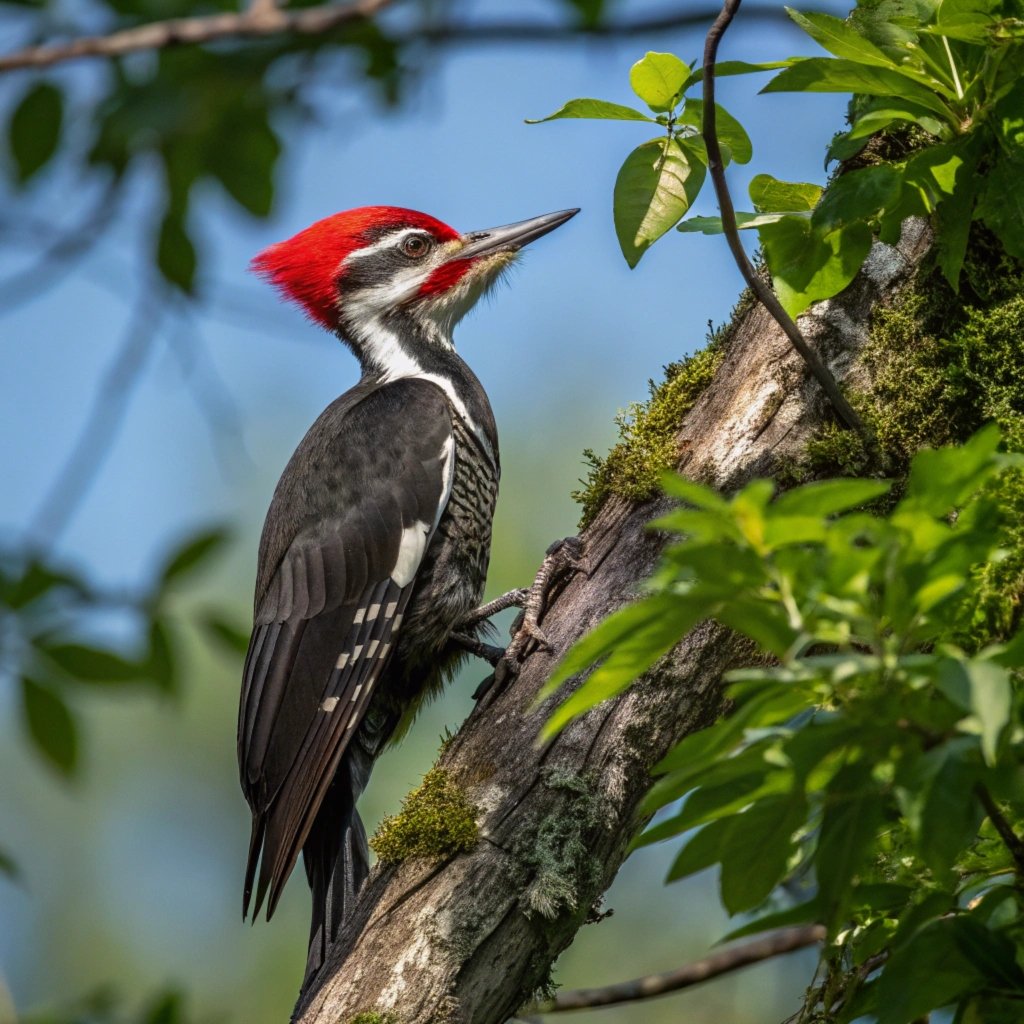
(399, 345)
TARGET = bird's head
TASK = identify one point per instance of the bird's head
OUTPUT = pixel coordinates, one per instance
(378, 272)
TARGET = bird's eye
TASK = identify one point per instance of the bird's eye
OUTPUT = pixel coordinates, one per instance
(415, 246)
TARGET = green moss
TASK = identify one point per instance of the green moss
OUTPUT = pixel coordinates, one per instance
(648, 431)
(559, 859)
(375, 1018)
(436, 821)
(941, 365)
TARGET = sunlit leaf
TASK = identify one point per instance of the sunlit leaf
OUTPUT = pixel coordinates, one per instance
(770, 195)
(598, 110)
(829, 497)
(729, 131)
(825, 74)
(655, 187)
(658, 79)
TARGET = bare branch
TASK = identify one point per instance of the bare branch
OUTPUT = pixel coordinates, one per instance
(109, 406)
(256, 21)
(264, 18)
(727, 960)
(716, 169)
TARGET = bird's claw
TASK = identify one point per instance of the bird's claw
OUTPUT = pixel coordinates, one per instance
(561, 561)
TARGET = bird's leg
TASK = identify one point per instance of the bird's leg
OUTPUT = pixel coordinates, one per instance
(482, 650)
(561, 560)
(513, 599)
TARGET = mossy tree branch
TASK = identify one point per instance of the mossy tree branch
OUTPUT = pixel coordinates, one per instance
(473, 937)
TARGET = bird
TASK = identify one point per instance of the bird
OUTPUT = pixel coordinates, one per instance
(376, 543)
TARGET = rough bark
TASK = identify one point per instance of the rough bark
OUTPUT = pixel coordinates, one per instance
(467, 941)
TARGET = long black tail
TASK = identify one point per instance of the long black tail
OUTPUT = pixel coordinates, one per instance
(336, 854)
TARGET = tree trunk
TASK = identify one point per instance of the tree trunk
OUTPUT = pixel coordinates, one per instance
(470, 939)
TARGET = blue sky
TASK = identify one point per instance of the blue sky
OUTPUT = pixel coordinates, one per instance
(572, 339)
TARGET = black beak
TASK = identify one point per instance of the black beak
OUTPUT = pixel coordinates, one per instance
(511, 237)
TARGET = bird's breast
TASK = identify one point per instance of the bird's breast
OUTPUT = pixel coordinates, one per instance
(454, 571)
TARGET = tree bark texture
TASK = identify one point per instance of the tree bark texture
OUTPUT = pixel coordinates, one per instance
(470, 939)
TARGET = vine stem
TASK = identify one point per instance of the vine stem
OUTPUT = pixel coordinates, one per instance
(767, 297)
(1011, 840)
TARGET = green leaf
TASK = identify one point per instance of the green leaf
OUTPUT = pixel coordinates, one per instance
(853, 812)
(192, 554)
(231, 637)
(713, 225)
(50, 725)
(655, 187)
(926, 972)
(971, 21)
(658, 79)
(769, 195)
(703, 850)
(693, 493)
(34, 131)
(730, 132)
(704, 804)
(160, 664)
(940, 804)
(841, 38)
(802, 913)
(92, 664)
(597, 110)
(983, 688)
(757, 848)
(8, 865)
(166, 1009)
(826, 74)
(857, 196)
(942, 479)
(1001, 204)
(829, 497)
(243, 157)
(634, 639)
(807, 267)
(175, 253)
(727, 68)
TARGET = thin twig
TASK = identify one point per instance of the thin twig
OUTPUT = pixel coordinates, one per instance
(716, 169)
(109, 405)
(262, 19)
(772, 945)
(211, 394)
(1011, 840)
(26, 284)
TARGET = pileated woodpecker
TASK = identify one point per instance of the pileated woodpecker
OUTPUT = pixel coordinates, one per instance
(376, 544)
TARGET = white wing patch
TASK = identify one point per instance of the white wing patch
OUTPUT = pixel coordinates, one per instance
(410, 552)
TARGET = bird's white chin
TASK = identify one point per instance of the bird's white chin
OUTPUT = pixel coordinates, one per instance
(446, 309)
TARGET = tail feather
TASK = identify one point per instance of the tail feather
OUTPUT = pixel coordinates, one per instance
(336, 854)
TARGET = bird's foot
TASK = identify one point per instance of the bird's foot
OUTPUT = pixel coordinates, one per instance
(561, 561)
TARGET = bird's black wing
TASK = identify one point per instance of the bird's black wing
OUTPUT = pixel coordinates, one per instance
(344, 537)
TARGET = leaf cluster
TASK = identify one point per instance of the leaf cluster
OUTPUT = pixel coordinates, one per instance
(949, 72)
(659, 181)
(870, 752)
(200, 116)
(55, 628)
